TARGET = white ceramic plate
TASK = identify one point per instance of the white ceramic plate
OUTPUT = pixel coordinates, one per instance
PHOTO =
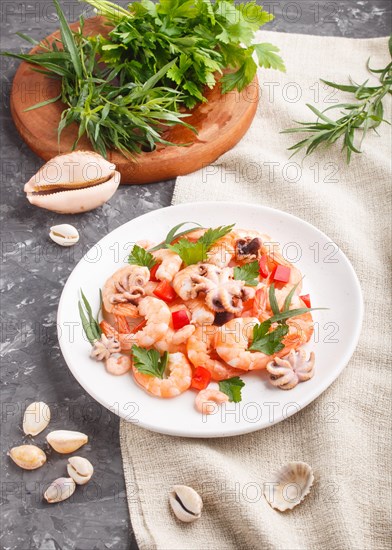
(329, 278)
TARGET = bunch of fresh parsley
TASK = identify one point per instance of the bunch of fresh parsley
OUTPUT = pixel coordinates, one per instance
(202, 38)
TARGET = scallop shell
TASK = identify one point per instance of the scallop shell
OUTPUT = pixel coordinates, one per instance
(289, 486)
(73, 183)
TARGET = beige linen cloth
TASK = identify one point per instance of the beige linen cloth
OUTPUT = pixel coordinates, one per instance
(346, 433)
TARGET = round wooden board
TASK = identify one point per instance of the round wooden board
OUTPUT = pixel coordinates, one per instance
(221, 123)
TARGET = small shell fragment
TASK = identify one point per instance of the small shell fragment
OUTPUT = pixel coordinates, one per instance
(80, 469)
(186, 503)
(64, 234)
(60, 489)
(66, 441)
(28, 457)
(289, 485)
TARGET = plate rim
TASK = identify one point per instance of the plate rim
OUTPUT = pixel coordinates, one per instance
(328, 380)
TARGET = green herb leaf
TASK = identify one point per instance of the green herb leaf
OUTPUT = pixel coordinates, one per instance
(140, 256)
(232, 387)
(268, 58)
(149, 361)
(192, 253)
(268, 342)
(68, 40)
(360, 115)
(248, 273)
(289, 297)
(89, 323)
(283, 315)
(172, 235)
(212, 235)
(272, 299)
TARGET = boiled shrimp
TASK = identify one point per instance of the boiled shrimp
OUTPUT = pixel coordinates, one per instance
(201, 352)
(118, 364)
(232, 343)
(175, 340)
(206, 400)
(158, 316)
(178, 378)
(124, 289)
(169, 264)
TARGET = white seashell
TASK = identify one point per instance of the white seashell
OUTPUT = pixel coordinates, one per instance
(66, 441)
(60, 489)
(186, 503)
(80, 469)
(36, 418)
(289, 486)
(28, 457)
(64, 234)
(73, 183)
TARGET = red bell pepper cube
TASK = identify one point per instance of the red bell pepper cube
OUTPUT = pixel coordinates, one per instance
(281, 274)
(180, 319)
(153, 271)
(263, 268)
(306, 299)
(201, 378)
(165, 292)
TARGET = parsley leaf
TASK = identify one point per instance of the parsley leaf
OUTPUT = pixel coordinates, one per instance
(271, 342)
(232, 387)
(140, 256)
(149, 361)
(268, 342)
(267, 56)
(248, 273)
(192, 253)
(212, 235)
(240, 78)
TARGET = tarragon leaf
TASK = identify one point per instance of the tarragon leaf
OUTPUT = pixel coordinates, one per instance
(89, 323)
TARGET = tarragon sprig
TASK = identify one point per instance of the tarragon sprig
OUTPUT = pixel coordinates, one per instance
(89, 323)
(270, 342)
(366, 113)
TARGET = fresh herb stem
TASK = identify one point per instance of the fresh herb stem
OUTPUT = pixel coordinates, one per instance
(366, 113)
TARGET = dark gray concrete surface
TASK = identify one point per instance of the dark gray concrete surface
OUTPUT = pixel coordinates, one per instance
(34, 271)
